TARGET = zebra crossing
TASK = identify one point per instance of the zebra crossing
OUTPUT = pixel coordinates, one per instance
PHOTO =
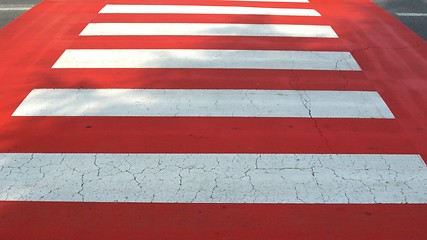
(189, 9)
(210, 103)
(223, 59)
(207, 177)
(220, 178)
(206, 29)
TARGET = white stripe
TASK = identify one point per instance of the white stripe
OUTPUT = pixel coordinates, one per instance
(224, 59)
(214, 178)
(412, 14)
(190, 9)
(15, 9)
(276, 30)
(211, 103)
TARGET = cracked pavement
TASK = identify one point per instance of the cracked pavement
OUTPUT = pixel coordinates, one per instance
(214, 178)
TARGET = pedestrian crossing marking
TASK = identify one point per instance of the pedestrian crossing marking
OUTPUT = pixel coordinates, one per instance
(219, 59)
(211, 103)
(205, 29)
(214, 178)
(194, 9)
(264, 178)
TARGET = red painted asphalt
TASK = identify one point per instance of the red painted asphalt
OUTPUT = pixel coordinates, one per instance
(70, 221)
(394, 63)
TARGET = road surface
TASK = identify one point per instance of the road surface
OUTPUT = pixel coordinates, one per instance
(217, 120)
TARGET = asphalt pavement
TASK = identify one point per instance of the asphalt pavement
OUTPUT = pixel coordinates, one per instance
(11, 9)
(412, 13)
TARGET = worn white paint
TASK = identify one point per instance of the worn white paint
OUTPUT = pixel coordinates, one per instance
(412, 14)
(193, 9)
(15, 7)
(210, 103)
(222, 59)
(206, 29)
(214, 178)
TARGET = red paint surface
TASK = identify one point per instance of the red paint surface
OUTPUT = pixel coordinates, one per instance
(394, 63)
(202, 135)
(70, 221)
